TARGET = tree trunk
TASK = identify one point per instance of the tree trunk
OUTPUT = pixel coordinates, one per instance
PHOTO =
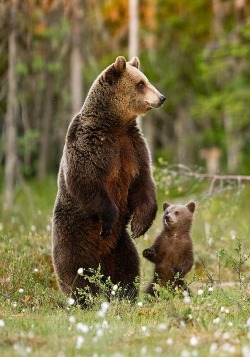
(10, 173)
(76, 61)
(45, 135)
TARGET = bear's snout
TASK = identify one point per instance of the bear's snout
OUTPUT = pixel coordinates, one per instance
(162, 99)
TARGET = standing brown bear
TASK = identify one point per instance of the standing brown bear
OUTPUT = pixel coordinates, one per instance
(104, 181)
(172, 250)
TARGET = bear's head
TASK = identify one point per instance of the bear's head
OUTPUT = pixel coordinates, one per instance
(178, 217)
(129, 90)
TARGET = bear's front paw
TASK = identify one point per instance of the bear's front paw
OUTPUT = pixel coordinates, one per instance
(149, 253)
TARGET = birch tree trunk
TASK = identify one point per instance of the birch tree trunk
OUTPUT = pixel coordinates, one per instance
(76, 61)
(10, 173)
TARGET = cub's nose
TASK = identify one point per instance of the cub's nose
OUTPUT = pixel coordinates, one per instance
(162, 99)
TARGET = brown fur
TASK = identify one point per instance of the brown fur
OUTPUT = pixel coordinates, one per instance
(172, 250)
(104, 181)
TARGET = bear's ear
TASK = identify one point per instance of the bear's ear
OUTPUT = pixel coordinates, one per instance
(135, 62)
(114, 71)
(120, 64)
(165, 206)
(191, 206)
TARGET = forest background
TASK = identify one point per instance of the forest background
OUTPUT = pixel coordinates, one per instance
(195, 52)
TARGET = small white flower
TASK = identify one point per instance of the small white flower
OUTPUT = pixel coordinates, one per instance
(82, 327)
(216, 321)
(213, 347)
(140, 304)
(35, 270)
(33, 228)
(210, 289)
(170, 341)
(245, 351)
(158, 349)
(190, 317)
(105, 324)
(193, 341)
(115, 287)
(99, 333)
(80, 271)
(222, 309)
(200, 292)
(2, 323)
(144, 328)
(226, 336)
(161, 327)
(21, 291)
(113, 292)
(227, 311)
(79, 342)
(14, 304)
(72, 319)
(248, 322)
(71, 301)
(144, 350)
(187, 299)
(227, 347)
(230, 324)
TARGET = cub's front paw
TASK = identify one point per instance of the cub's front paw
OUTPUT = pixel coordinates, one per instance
(149, 253)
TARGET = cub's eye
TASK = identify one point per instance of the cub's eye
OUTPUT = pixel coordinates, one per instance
(176, 213)
(141, 84)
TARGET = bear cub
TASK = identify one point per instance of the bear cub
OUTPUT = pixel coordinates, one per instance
(172, 250)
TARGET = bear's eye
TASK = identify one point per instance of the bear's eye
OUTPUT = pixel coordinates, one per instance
(177, 213)
(141, 84)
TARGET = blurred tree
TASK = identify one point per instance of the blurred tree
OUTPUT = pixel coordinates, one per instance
(11, 161)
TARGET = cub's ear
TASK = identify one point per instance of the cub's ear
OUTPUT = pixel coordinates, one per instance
(135, 62)
(120, 64)
(166, 205)
(191, 206)
(114, 71)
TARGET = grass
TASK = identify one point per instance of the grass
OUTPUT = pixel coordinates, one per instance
(37, 320)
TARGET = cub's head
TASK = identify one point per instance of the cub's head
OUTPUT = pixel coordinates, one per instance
(131, 89)
(178, 216)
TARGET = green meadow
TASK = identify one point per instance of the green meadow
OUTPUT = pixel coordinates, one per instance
(37, 320)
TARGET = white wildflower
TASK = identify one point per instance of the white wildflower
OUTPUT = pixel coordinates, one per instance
(2, 323)
(210, 289)
(80, 271)
(245, 351)
(21, 291)
(193, 341)
(33, 228)
(71, 301)
(140, 304)
(115, 287)
(82, 327)
(187, 299)
(230, 324)
(213, 347)
(72, 319)
(170, 341)
(144, 350)
(200, 292)
(216, 321)
(227, 347)
(161, 327)
(79, 342)
(158, 349)
(144, 328)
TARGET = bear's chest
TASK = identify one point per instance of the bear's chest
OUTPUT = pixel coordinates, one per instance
(123, 168)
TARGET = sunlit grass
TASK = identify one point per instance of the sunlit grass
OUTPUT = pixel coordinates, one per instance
(37, 320)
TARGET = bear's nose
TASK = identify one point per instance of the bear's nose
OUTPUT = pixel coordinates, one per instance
(162, 99)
